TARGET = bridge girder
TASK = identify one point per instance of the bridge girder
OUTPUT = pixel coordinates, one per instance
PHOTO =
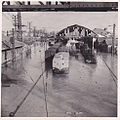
(10, 6)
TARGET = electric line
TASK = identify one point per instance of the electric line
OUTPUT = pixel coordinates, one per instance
(29, 91)
(45, 90)
(15, 111)
(7, 18)
(10, 16)
(110, 71)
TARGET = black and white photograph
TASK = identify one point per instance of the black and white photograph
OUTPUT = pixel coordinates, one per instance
(59, 59)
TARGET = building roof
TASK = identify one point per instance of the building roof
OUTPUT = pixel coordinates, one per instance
(6, 44)
(71, 29)
(101, 31)
(103, 34)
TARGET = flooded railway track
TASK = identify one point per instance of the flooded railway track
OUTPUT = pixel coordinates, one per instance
(79, 88)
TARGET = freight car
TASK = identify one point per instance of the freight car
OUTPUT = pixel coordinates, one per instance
(52, 50)
(63, 49)
(88, 54)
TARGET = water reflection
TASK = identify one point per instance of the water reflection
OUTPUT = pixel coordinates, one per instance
(85, 88)
(59, 81)
(111, 61)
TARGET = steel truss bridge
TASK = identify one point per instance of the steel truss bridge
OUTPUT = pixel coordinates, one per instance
(9, 6)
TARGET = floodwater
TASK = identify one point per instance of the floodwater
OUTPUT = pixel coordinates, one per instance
(89, 90)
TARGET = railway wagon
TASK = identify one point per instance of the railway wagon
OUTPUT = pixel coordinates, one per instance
(60, 62)
(52, 50)
(63, 49)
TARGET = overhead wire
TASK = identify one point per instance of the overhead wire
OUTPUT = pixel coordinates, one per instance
(11, 114)
(45, 90)
(7, 18)
(9, 14)
(112, 73)
(18, 106)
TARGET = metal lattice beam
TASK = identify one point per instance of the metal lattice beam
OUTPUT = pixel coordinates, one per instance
(61, 6)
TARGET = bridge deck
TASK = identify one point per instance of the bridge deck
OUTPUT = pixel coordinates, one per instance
(71, 6)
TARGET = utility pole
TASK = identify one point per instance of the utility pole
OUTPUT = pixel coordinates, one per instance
(19, 27)
(29, 33)
(15, 26)
(113, 39)
(34, 32)
(15, 21)
(12, 40)
(7, 33)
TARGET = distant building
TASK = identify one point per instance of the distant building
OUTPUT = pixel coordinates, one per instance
(104, 35)
(102, 32)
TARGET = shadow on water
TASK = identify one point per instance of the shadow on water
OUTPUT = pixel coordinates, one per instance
(111, 61)
(59, 81)
(92, 66)
(6, 81)
(48, 64)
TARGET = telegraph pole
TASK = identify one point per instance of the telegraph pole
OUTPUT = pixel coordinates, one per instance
(29, 33)
(34, 32)
(15, 21)
(15, 26)
(113, 39)
(12, 40)
(19, 26)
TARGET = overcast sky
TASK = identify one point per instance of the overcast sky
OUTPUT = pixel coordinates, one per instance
(55, 21)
